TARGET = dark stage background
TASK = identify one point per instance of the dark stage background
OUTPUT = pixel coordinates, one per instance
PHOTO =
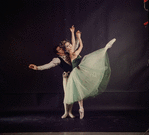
(29, 29)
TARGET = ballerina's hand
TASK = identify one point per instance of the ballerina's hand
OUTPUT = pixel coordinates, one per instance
(32, 66)
(72, 29)
(78, 34)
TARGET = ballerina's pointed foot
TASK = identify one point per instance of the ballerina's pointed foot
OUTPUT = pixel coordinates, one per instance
(81, 111)
(110, 43)
(71, 115)
(64, 116)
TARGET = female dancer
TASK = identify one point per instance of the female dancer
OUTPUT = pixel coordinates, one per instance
(89, 76)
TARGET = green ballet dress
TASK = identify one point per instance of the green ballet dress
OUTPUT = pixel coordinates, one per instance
(89, 76)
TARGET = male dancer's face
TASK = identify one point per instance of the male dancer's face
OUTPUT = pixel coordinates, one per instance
(60, 51)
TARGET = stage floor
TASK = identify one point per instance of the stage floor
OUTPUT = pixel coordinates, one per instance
(99, 121)
(79, 133)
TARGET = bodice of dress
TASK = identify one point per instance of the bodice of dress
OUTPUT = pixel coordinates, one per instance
(76, 62)
(65, 66)
(66, 58)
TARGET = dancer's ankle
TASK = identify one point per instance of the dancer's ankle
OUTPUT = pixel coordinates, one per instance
(81, 108)
(81, 112)
(71, 115)
(64, 115)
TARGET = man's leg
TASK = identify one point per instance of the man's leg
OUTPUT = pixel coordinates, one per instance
(68, 108)
(65, 105)
(70, 111)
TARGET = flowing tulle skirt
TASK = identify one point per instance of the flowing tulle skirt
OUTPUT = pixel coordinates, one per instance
(90, 79)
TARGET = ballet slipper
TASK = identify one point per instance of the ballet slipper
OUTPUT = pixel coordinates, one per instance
(110, 43)
(81, 111)
(64, 116)
(71, 115)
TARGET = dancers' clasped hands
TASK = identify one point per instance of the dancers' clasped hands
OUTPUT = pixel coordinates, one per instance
(78, 33)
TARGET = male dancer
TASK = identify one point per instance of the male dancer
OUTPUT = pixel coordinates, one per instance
(64, 62)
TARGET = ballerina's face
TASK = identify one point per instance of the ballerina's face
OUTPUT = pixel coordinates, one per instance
(68, 46)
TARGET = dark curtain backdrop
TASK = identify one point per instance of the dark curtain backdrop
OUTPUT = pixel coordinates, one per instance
(29, 29)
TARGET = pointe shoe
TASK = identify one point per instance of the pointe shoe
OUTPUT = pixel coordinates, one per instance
(81, 111)
(64, 116)
(71, 115)
(110, 43)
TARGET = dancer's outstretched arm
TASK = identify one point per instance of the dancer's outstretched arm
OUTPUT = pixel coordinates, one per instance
(53, 63)
(78, 35)
(72, 29)
(76, 44)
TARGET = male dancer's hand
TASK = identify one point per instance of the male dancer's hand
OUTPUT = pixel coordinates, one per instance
(32, 66)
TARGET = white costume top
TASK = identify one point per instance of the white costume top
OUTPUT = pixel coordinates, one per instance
(55, 62)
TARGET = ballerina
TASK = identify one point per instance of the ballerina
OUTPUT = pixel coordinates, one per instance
(89, 76)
